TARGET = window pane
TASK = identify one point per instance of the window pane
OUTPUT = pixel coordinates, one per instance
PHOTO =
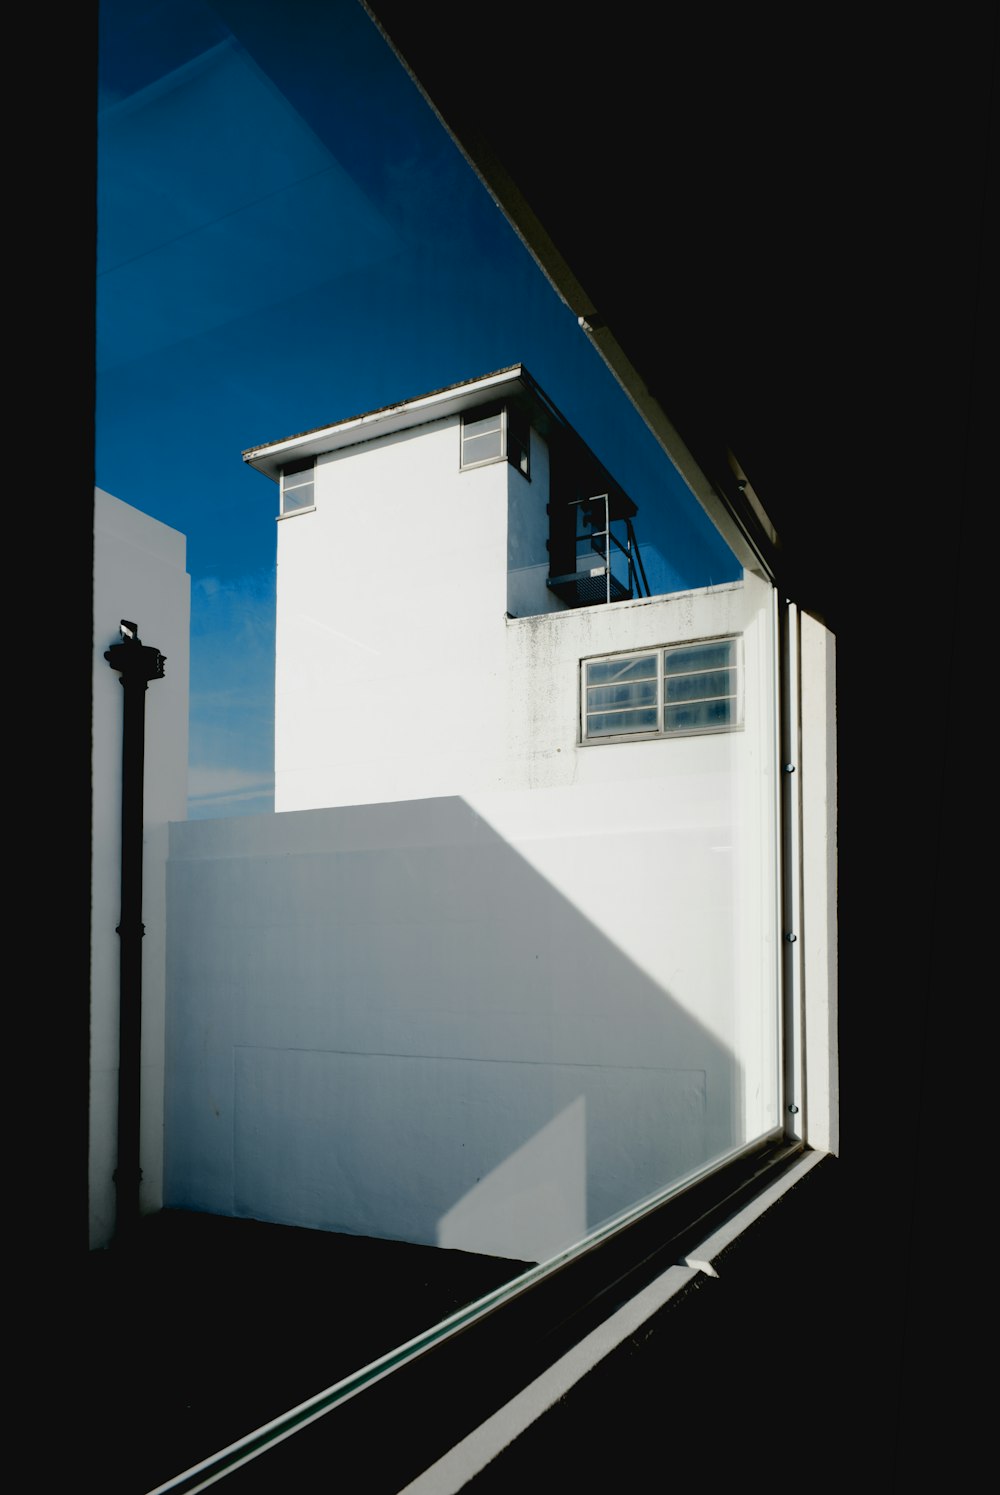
(700, 687)
(604, 671)
(716, 655)
(699, 715)
(492, 985)
(481, 447)
(299, 497)
(610, 723)
(627, 693)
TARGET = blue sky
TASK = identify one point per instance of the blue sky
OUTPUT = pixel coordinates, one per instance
(287, 237)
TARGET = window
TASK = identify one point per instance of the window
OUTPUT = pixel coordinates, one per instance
(493, 433)
(663, 692)
(297, 489)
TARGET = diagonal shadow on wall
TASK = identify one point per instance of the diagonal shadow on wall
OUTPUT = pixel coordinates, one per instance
(382, 1020)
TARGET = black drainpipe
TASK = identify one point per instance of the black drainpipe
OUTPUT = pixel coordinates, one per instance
(137, 664)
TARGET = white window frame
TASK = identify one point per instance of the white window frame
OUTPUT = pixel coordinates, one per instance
(659, 652)
(295, 477)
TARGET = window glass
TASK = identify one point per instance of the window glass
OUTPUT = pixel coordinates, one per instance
(601, 671)
(680, 683)
(518, 447)
(297, 488)
(483, 436)
(481, 985)
(697, 657)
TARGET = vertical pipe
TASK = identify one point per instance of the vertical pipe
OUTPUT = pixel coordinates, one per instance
(137, 664)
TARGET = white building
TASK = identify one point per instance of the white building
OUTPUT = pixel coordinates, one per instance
(439, 565)
(514, 964)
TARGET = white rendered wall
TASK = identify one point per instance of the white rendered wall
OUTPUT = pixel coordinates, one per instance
(819, 902)
(139, 573)
(490, 1019)
(391, 601)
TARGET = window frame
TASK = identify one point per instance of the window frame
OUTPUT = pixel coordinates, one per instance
(661, 732)
(298, 470)
(510, 438)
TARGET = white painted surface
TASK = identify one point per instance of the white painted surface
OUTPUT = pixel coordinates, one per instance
(477, 985)
(391, 651)
(487, 1020)
(819, 899)
(139, 573)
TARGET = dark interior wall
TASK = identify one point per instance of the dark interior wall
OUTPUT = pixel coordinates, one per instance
(790, 230)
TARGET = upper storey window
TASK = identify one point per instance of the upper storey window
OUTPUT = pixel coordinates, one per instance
(663, 693)
(297, 487)
(494, 433)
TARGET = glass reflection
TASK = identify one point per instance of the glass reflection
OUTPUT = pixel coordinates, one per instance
(475, 988)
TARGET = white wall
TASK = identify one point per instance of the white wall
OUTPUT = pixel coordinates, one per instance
(490, 1019)
(391, 599)
(818, 790)
(479, 985)
(139, 573)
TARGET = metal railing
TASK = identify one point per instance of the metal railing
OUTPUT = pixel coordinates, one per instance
(592, 585)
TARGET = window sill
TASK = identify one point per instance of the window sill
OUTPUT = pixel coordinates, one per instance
(590, 742)
(491, 462)
(499, 1369)
(295, 513)
(469, 1457)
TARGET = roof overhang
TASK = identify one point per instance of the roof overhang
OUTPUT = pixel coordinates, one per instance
(386, 421)
(512, 383)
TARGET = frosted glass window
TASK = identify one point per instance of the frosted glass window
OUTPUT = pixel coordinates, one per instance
(685, 688)
(698, 696)
(603, 671)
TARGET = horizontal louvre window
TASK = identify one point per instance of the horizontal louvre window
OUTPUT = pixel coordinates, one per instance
(691, 657)
(628, 693)
(494, 432)
(482, 447)
(613, 723)
(681, 689)
(603, 671)
(297, 487)
(622, 696)
(699, 716)
(482, 436)
(698, 687)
